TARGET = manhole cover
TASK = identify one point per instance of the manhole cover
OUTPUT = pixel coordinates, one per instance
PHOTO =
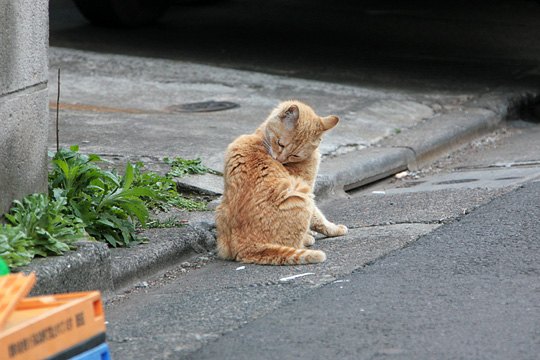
(203, 106)
(457, 181)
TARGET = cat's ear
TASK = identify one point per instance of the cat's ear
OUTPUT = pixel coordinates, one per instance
(289, 116)
(329, 122)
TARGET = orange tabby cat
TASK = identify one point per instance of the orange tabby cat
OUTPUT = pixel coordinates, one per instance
(268, 208)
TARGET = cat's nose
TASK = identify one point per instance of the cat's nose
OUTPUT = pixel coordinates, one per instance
(282, 158)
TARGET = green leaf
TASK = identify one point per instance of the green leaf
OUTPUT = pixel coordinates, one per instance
(136, 209)
(137, 192)
(110, 239)
(94, 158)
(128, 176)
(105, 222)
(62, 164)
(58, 193)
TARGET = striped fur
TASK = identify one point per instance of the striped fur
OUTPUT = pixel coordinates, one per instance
(267, 208)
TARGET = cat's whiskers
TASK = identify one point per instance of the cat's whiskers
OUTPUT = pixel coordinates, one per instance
(268, 147)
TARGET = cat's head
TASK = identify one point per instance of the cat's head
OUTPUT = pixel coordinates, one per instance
(293, 131)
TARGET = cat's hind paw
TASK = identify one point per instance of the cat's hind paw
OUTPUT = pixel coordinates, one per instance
(309, 240)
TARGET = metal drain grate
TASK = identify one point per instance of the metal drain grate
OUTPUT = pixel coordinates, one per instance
(203, 106)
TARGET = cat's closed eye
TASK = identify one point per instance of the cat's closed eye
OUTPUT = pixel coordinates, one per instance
(280, 144)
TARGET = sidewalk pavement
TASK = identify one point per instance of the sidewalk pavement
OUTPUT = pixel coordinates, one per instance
(128, 108)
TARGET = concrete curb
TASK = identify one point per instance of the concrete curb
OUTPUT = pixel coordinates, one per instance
(165, 247)
(407, 150)
(358, 168)
(95, 266)
(88, 267)
(419, 145)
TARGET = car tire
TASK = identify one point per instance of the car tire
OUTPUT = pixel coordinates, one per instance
(122, 13)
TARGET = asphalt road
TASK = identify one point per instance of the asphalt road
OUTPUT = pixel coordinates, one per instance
(468, 290)
(387, 43)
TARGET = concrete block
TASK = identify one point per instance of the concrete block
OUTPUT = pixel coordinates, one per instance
(205, 184)
(445, 133)
(165, 248)
(24, 41)
(358, 168)
(24, 38)
(87, 268)
(23, 145)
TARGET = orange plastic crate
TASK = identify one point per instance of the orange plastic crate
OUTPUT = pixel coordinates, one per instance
(43, 326)
(12, 289)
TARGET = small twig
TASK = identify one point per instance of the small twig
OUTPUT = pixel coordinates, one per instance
(57, 110)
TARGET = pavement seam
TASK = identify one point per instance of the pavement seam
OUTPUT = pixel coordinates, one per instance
(391, 223)
(30, 89)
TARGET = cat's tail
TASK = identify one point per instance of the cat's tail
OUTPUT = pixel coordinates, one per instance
(273, 254)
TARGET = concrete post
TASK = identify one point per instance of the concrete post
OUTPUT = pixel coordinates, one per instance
(24, 42)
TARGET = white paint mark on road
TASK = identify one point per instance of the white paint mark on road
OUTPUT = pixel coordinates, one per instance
(295, 276)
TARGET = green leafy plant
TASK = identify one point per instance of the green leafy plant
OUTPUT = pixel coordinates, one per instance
(189, 204)
(74, 172)
(85, 200)
(15, 247)
(182, 167)
(39, 225)
(106, 202)
(165, 189)
(165, 224)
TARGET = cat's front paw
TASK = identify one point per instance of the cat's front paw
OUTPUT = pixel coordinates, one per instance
(329, 229)
(342, 230)
(336, 230)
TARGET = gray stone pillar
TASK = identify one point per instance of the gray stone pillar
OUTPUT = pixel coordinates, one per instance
(24, 43)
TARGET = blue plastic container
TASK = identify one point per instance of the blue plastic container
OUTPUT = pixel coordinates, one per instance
(100, 352)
